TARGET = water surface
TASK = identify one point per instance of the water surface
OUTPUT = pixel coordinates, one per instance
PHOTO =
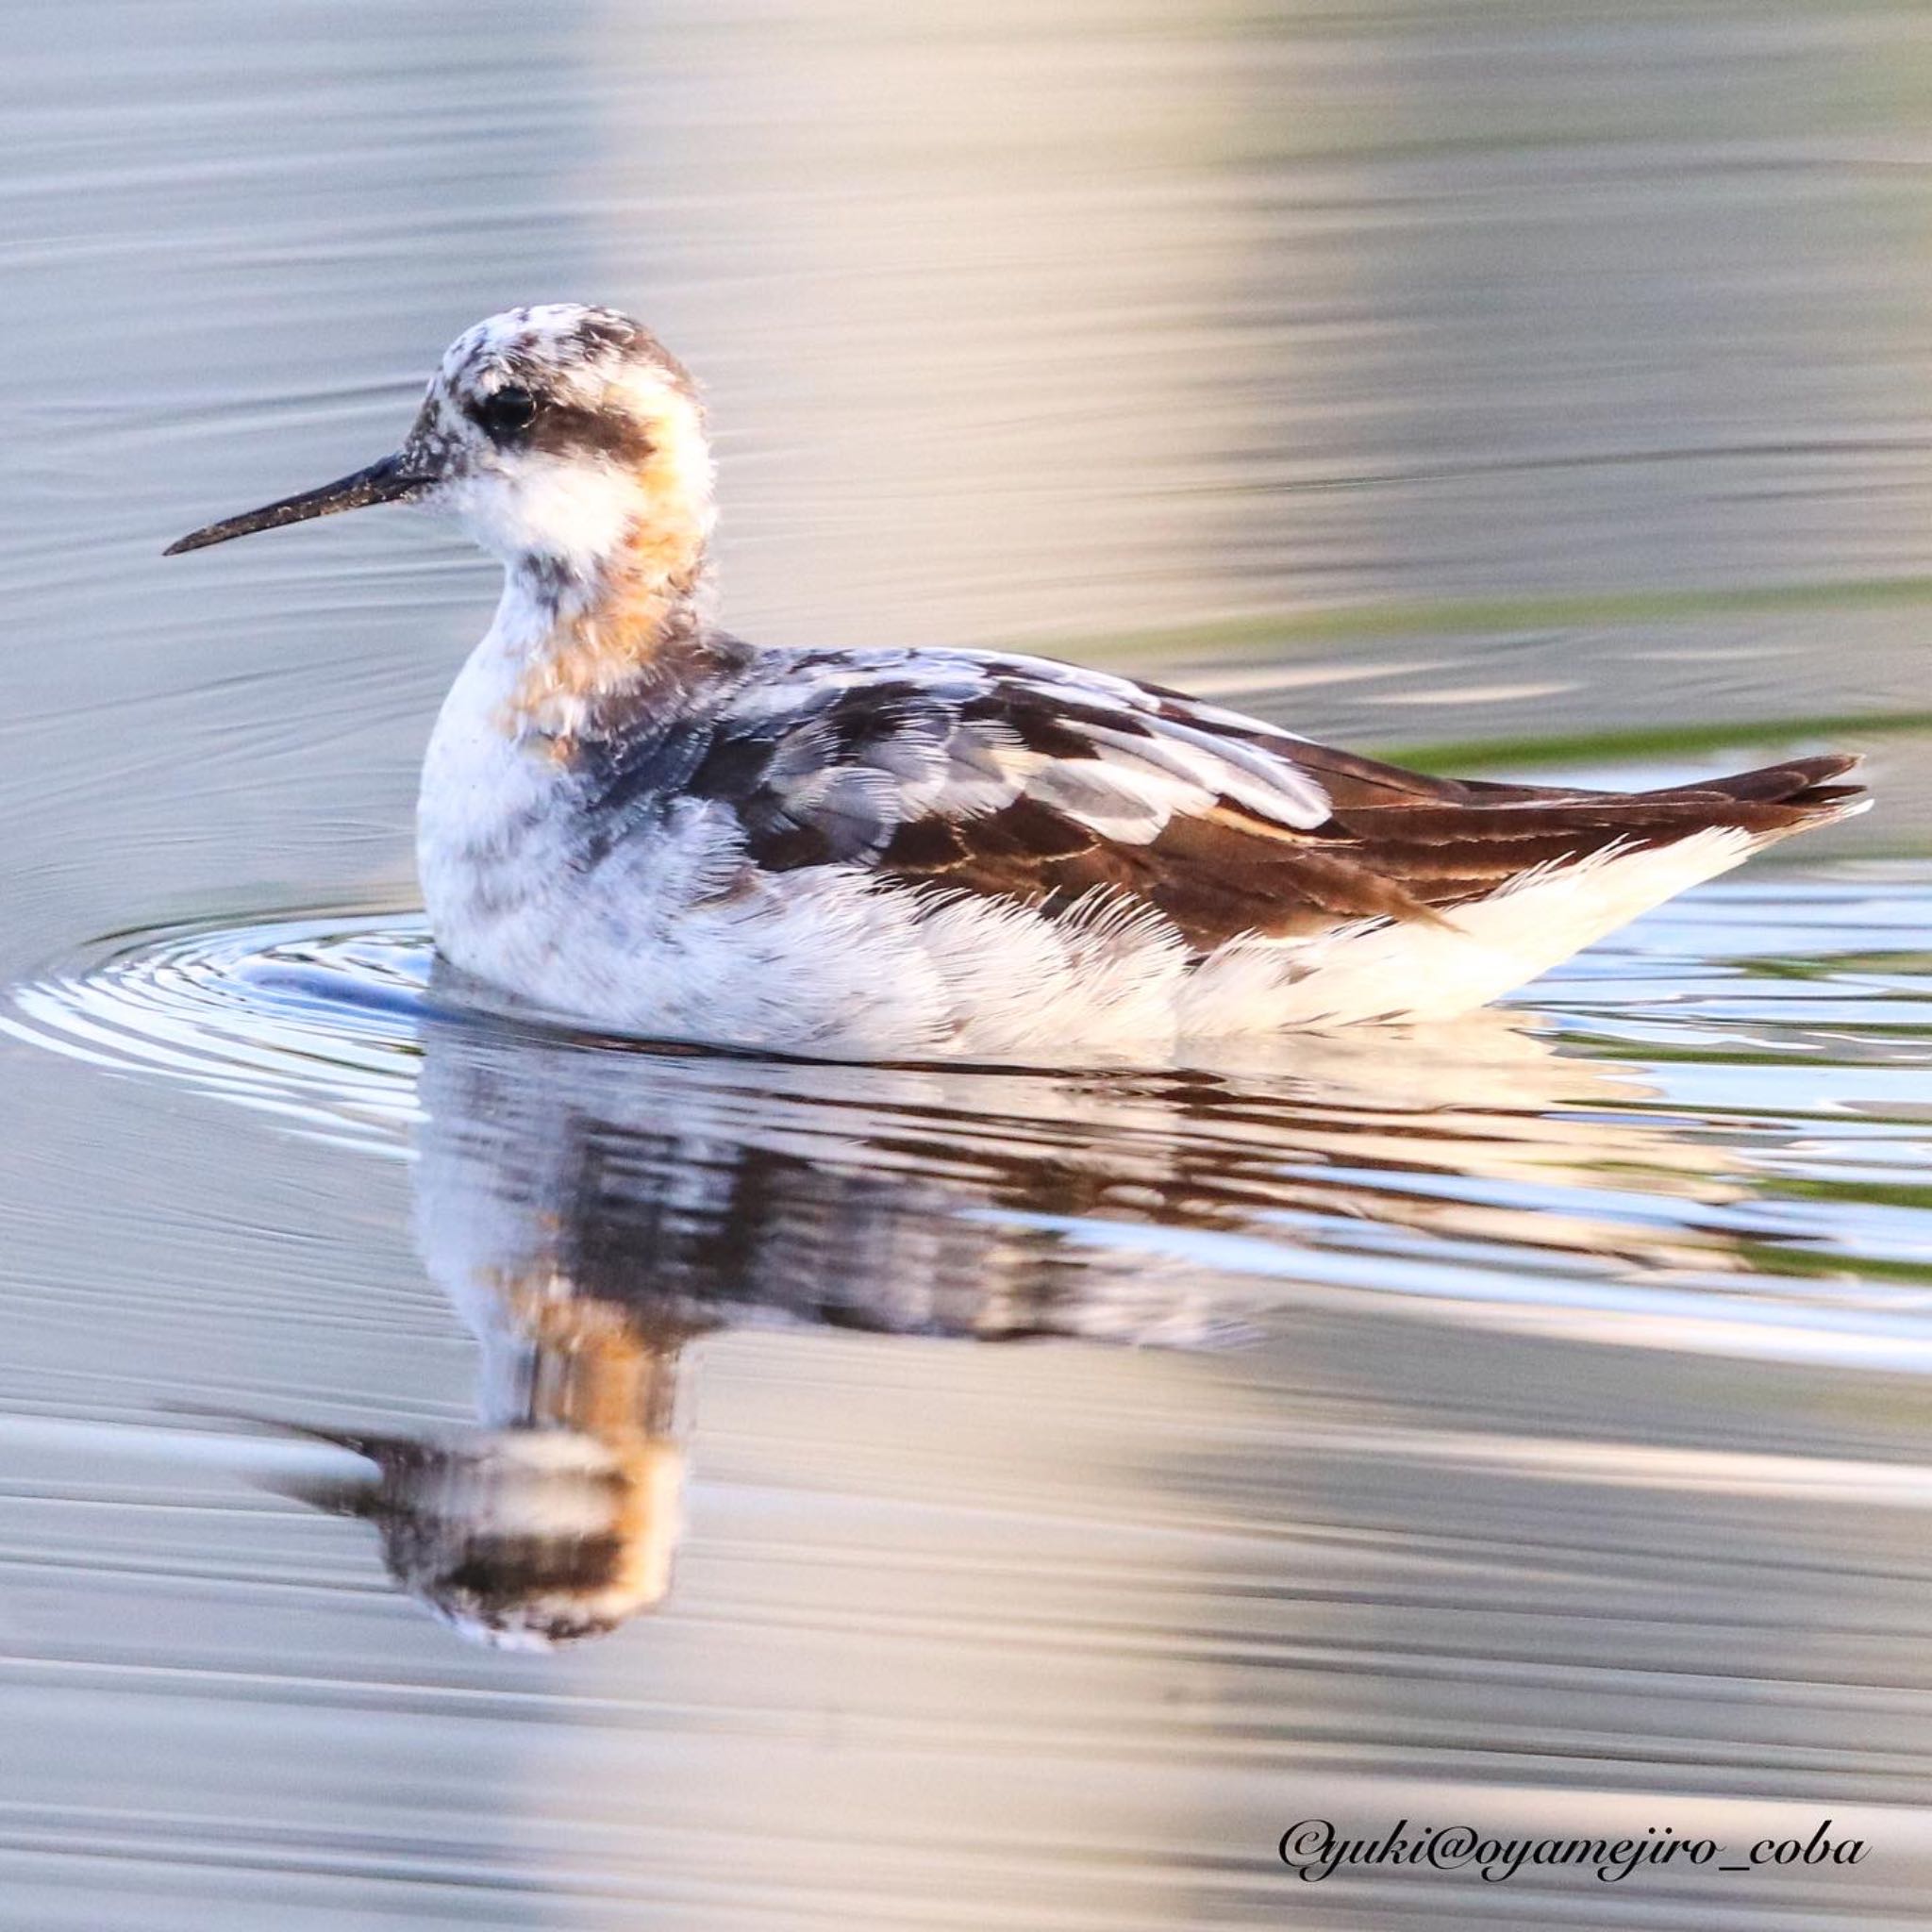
(978, 1497)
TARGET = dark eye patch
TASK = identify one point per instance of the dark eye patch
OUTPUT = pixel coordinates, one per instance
(541, 421)
(571, 429)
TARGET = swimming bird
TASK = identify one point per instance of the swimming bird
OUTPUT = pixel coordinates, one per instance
(632, 816)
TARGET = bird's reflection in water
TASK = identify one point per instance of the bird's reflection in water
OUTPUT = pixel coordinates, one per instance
(593, 1211)
(555, 1518)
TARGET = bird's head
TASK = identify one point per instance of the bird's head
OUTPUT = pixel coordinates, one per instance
(566, 438)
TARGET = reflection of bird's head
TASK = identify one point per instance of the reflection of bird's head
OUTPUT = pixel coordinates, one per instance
(520, 1539)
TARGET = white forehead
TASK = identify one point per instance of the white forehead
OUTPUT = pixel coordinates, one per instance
(571, 345)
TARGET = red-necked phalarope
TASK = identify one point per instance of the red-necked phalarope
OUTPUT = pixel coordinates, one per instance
(631, 816)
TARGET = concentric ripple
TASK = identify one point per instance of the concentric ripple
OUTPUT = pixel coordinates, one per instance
(1714, 1132)
(313, 1018)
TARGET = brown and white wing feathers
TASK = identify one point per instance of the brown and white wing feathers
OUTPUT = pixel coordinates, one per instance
(1046, 785)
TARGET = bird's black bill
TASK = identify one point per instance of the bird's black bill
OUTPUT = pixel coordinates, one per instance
(395, 479)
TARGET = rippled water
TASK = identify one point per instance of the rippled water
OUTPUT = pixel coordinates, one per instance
(1731, 1097)
(1522, 1422)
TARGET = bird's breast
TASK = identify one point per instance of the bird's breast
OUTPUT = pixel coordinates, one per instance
(493, 811)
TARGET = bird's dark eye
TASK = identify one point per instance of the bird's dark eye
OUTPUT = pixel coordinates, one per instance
(507, 408)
